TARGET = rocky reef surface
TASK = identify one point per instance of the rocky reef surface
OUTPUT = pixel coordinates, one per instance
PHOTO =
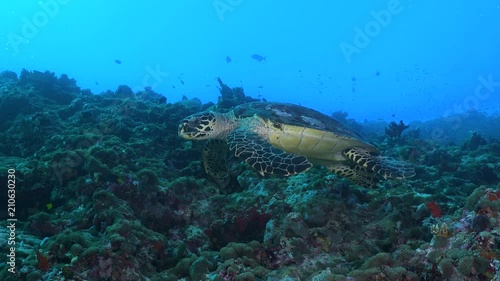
(105, 190)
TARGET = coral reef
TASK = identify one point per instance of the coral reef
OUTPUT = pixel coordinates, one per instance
(231, 97)
(394, 130)
(107, 191)
(475, 140)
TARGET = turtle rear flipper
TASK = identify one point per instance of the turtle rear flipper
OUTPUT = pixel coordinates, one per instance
(384, 166)
(215, 161)
(392, 168)
(357, 174)
(264, 157)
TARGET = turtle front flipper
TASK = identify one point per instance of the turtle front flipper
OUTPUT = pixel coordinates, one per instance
(384, 166)
(214, 161)
(357, 174)
(263, 157)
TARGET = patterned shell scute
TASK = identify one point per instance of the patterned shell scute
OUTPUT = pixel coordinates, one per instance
(294, 115)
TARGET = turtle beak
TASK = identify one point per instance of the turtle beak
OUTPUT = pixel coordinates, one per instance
(186, 131)
(192, 128)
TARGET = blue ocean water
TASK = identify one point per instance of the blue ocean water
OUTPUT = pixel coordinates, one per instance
(124, 186)
(411, 60)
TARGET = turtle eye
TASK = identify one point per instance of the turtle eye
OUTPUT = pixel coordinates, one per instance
(207, 119)
(197, 126)
(200, 122)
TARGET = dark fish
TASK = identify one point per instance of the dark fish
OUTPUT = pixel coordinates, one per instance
(97, 83)
(264, 100)
(173, 86)
(353, 79)
(258, 57)
(260, 87)
(378, 73)
(228, 59)
(182, 82)
(118, 61)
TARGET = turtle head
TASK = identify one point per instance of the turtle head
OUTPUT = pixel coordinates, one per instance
(206, 125)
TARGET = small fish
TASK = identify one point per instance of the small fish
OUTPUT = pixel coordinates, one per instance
(228, 59)
(258, 57)
(378, 73)
(173, 86)
(118, 61)
(434, 208)
(264, 100)
(260, 87)
(97, 83)
(49, 206)
(182, 82)
(353, 79)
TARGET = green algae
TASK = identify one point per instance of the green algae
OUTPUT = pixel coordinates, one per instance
(182, 267)
(446, 267)
(199, 268)
(147, 176)
(440, 242)
(227, 253)
(469, 265)
(380, 259)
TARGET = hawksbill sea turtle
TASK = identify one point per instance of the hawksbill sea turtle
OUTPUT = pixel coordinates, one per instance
(286, 139)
